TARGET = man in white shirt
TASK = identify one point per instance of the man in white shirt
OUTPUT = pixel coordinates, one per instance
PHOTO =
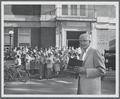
(92, 69)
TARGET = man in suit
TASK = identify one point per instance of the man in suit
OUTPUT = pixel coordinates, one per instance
(92, 69)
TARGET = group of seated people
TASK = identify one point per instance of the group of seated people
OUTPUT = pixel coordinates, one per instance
(48, 61)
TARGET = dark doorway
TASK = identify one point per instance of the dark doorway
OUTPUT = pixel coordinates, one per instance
(73, 43)
(73, 38)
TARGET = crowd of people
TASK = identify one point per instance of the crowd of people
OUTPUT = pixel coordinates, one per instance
(48, 61)
(53, 60)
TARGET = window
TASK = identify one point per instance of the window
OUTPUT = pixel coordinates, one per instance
(25, 9)
(64, 9)
(47, 9)
(24, 36)
(73, 9)
(83, 10)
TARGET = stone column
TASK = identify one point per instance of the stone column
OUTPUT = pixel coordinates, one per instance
(94, 36)
(58, 34)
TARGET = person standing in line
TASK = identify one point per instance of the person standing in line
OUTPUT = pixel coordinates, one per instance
(27, 64)
(49, 64)
(56, 65)
(93, 68)
(42, 64)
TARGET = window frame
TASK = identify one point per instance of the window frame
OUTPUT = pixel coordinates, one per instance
(86, 11)
(69, 12)
(65, 9)
(24, 33)
(73, 10)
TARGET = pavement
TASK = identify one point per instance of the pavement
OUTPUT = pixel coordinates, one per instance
(51, 86)
(64, 84)
(57, 86)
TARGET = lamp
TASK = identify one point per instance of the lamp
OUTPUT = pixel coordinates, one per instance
(11, 32)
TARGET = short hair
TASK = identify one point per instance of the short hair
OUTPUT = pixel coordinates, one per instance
(87, 35)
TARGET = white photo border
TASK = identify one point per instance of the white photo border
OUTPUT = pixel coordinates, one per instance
(59, 2)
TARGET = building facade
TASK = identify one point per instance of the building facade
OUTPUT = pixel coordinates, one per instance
(58, 25)
(105, 27)
(73, 20)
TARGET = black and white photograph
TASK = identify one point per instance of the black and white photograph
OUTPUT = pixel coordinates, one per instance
(59, 49)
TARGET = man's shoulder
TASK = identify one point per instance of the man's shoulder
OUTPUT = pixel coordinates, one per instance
(94, 50)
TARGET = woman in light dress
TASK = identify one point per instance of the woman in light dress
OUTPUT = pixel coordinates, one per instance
(56, 65)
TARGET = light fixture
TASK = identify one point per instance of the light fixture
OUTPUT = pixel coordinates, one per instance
(11, 32)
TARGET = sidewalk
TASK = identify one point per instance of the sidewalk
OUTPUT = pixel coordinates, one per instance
(58, 86)
(51, 86)
(64, 84)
